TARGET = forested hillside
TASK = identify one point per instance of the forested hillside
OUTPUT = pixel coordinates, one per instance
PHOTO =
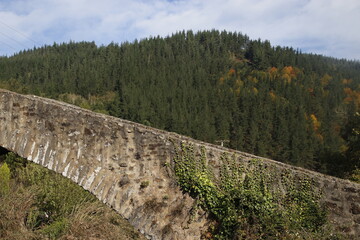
(271, 101)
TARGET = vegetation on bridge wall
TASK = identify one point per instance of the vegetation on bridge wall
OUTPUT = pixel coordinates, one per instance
(250, 200)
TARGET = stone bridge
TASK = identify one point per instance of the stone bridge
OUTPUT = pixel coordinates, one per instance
(128, 166)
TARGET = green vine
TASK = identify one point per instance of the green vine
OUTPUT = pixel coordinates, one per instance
(245, 201)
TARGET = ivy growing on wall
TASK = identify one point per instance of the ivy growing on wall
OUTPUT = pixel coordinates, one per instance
(250, 201)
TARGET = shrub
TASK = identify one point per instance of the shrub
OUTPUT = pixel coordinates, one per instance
(14, 162)
(243, 201)
(55, 229)
(45, 205)
(4, 179)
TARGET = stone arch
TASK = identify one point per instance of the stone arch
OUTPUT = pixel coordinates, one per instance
(128, 165)
(109, 157)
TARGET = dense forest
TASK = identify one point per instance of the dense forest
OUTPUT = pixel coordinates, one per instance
(271, 101)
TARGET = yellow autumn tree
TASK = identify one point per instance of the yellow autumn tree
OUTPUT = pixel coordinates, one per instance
(288, 73)
(346, 81)
(273, 70)
(231, 72)
(237, 86)
(352, 97)
(325, 80)
(272, 95)
(315, 122)
(255, 91)
(221, 81)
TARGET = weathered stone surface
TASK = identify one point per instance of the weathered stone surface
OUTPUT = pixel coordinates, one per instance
(128, 165)
(355, 208)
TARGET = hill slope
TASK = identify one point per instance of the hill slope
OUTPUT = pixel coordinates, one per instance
(271, 101)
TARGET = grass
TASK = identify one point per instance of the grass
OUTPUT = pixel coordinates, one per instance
(41, 204)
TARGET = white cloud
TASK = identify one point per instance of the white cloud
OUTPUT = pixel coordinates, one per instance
(322, 26)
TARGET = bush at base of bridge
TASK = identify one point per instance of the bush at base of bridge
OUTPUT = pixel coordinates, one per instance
(4, 179)
(244, 203)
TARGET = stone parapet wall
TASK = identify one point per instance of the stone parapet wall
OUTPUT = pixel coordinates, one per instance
(129, 166)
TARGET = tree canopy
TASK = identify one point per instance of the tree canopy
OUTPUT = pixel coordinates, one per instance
(268, 100)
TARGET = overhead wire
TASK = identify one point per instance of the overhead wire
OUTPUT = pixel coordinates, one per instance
(20, 33)
(16, 41)
(8, 45)
(24, 36)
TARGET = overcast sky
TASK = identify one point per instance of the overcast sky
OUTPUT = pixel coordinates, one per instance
(327, 27)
